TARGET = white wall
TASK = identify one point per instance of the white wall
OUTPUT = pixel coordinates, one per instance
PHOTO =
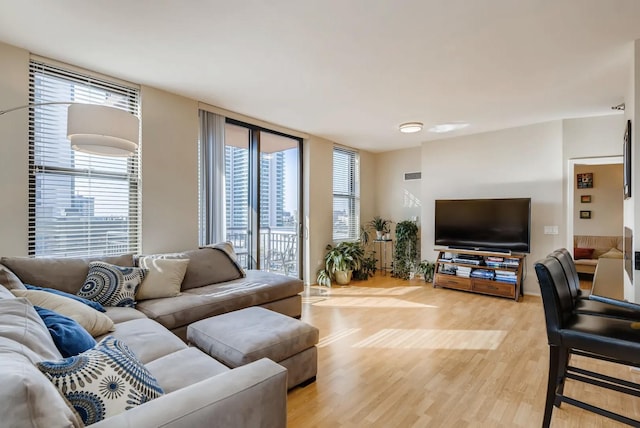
(588, 137)
(396, 199)
(518, 162)
(14, 150)
(632, 205)
(169, 172)
(606, 201)
(318, 203)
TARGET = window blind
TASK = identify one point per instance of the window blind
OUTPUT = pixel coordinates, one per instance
(346, 194)
(79, 204)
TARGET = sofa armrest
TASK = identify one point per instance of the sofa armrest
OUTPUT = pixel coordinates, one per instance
(254, 395)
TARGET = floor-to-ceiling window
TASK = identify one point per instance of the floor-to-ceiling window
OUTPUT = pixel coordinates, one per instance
(262, 197)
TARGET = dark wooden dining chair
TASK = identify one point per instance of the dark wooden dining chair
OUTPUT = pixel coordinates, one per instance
(581, 303)
(591, 336)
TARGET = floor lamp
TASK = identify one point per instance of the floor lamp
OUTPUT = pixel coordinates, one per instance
(97, 129)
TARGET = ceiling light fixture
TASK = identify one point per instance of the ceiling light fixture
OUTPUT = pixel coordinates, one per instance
(411, 127)
(447, 127)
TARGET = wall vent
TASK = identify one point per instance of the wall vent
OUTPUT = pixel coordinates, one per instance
(412, 176)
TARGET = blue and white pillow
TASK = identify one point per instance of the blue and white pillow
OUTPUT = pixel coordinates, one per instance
(112, 285)
(104, 381)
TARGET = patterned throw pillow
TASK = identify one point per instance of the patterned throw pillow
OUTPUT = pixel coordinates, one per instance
(112, 285)
(103, 381)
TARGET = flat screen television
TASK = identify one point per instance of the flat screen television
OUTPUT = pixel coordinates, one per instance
(484, 224)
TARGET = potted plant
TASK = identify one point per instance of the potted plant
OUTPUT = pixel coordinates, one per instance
(340, 262)
(368, 267)
(426, 269)
(406, 249)
(380, 225)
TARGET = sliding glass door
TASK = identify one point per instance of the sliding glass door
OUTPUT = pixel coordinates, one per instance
(262, 191)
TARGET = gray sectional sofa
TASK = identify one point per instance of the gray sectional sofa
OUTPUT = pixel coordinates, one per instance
(199, 391)
(213, 284)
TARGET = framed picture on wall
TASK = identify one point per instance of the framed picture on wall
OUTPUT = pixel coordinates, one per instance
(626, 153)
(585, 199)
(585, 214)
(585, 180)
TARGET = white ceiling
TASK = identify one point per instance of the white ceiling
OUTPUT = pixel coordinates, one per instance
(352, 70)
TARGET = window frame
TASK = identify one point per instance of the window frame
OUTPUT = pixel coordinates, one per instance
(351, 195)
(49, 165)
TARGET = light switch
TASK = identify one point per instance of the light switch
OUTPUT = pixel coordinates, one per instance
(551, 230)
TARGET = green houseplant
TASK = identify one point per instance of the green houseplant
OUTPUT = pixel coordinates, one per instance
(340, 262)
(380, 225)
(345, 261)
(426, 269)
(406, 249)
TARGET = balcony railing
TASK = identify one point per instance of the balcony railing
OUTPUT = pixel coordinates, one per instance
(278, 249)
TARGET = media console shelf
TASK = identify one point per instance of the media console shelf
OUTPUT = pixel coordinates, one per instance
(496, 274)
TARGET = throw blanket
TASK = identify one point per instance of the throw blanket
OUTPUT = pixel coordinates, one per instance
(227, 249)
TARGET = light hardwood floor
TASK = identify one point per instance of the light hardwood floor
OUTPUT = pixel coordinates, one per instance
(398, 353)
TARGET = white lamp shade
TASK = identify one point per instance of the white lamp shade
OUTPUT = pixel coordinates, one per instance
(102, 130)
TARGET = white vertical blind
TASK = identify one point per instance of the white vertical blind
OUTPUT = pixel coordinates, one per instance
(79, 204)
(346, 194)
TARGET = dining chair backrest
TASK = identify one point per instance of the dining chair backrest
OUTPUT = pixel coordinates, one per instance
(569, 266)
(556, 296)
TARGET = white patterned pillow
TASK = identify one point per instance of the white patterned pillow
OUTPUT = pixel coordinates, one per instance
(103, 381)
(112, 285)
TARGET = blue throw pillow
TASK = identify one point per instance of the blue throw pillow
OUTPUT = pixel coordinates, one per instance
(69, 336)
(95, 305)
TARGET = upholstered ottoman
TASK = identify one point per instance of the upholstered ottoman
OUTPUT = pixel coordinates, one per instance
(240, 337)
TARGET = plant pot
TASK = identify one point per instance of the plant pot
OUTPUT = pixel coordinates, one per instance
(378, 235)
(343, 277)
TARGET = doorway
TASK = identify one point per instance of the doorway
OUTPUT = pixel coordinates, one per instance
(595, 198)
(262, 196)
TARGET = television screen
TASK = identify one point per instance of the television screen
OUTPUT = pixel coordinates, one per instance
(484, 224)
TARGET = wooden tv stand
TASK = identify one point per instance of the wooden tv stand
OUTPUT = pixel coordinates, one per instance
(504, 272)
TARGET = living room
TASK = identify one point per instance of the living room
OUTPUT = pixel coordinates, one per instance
(528, 158)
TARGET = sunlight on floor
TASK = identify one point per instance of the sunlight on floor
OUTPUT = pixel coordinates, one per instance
(336, 336)
(374, 291)
(370, 302)
(434, 339)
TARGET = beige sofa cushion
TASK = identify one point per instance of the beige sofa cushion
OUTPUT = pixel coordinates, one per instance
(121, 314)
(257, 288)
(9, 279)
(163, 278)
(207, 265)
(96, 323)
(23, 332)
(147, 339)
(28, 399)
(613, 253)
(66, 274)
(6, 294)
(183, 368)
